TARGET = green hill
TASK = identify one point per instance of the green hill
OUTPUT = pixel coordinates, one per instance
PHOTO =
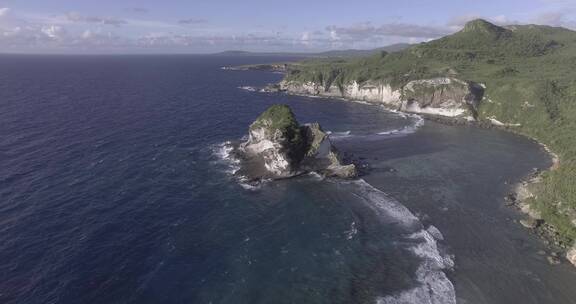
(530, 75)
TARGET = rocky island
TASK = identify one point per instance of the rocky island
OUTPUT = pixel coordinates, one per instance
(279, 147)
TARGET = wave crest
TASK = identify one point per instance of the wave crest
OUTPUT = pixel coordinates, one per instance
(418, 122)
(433, 286)
(336, 135)
(225, 156)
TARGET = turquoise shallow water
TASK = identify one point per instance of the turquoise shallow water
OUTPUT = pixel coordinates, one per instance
(115, 188)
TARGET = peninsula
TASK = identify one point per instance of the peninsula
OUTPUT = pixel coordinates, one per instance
(519, 77)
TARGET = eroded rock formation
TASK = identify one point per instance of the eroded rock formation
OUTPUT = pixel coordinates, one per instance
(278, 147)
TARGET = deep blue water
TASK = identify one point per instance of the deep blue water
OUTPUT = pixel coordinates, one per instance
(114, 189)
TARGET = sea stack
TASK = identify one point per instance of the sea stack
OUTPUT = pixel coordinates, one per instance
(279, 147)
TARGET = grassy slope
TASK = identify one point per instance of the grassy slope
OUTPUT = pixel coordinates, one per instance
(279, 117)
(530, 73)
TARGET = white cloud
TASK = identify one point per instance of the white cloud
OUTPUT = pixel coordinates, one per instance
(53, 31)
(501, 19)
(334, 35)
(305, 38)
(87, 34)
(4, 11)
(76, 17)
(75, 30)
(368, 31)
(556, 18)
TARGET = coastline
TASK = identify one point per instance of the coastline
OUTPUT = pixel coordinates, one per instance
(519, 198)
(520, 191)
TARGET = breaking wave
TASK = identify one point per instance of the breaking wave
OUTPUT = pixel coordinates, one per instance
(433, 286)
(223, 154)
(231, 164)
(335, 135)
(418, 122)
(249, 88)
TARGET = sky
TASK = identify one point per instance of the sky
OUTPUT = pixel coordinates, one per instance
(207, 26)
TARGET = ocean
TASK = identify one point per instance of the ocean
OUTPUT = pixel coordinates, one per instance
(117, 186)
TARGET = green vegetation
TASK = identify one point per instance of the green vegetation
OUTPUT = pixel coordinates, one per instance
(279, 117)
(530, 74)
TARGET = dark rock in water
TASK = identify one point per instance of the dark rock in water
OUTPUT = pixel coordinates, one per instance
(272, 88)
(278, 147)
(531, 223)
(510, 199)
(553, 260)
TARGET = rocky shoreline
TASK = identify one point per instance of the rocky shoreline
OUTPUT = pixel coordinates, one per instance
(521, 192)
(518, 198)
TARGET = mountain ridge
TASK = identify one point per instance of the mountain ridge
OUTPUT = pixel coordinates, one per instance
(332, 53)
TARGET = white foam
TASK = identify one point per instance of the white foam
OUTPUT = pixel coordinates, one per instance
(316, 176)
(336, 135)
(418, 122)
(352, 232)
(399, 113)
(224, 155)
(361, 102)
(388, 208)
(248, 88)
(433, 286)
(435, 233)
(223, 152)
(247, 185)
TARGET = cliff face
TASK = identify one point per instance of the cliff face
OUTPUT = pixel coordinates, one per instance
(278, 147)
(321, 156)
(438, 96)
(571, 255)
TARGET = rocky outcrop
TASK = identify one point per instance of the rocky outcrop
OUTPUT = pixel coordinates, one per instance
(278, 147)
(321, 155)
(571, 255)
(444, 96)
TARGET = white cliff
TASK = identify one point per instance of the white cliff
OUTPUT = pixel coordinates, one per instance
(444, 96)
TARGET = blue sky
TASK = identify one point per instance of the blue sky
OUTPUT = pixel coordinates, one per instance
(178, 26)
